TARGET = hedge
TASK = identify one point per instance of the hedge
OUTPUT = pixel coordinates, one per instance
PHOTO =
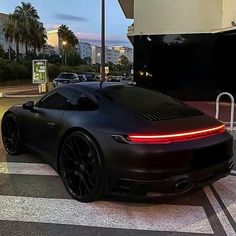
(22, 71)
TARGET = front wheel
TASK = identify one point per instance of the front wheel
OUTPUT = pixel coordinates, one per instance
(11, 135)
(81, 168)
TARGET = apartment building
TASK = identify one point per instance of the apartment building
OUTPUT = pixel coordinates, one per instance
(85, 50)
(54, 40)
(183, 47)
(111, 55)
(125, 51)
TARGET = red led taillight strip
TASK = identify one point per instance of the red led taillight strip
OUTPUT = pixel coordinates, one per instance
(176, 137)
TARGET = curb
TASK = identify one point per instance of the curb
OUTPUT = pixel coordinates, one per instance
(22, 96)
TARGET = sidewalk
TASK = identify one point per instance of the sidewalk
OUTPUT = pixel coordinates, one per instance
(20, 91)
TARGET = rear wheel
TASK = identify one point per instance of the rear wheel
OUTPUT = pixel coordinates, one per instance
(11, 135)
(81, 168)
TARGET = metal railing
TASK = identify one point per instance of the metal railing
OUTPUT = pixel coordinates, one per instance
(232, 108)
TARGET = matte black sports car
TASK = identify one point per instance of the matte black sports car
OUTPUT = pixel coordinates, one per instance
(120, 139)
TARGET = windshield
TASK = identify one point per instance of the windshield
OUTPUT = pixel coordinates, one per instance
(66, 76)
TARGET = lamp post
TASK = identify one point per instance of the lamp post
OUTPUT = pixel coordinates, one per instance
(63, 45)
(103, 40)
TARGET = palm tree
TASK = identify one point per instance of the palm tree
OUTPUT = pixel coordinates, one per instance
(28, 18)
(39, 38)
(12, 32)
(63, 32)
(68, 36)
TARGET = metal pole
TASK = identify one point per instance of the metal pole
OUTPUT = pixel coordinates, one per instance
(103, 41)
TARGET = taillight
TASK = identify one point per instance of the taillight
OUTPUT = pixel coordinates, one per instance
(175, 137)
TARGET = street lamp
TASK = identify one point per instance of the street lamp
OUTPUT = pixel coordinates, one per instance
(64, 43)
(103, 40)
(98, 60)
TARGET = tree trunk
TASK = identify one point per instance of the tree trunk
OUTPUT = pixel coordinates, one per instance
(17, 51)
(9, 50)
(35, 53)
(26, 49)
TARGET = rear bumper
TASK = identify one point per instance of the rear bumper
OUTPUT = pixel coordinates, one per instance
(175, 185)
(170, 169)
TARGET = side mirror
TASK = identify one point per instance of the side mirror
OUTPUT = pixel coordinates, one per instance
(29, 106)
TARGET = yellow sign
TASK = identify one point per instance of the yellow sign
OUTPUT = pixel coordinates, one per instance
(40, 69)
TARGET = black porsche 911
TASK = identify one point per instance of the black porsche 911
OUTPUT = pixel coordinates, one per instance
(121, 140)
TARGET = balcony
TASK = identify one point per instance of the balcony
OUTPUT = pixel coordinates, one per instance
(130, 33)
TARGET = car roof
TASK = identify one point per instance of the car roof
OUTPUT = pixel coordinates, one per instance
(92, 86)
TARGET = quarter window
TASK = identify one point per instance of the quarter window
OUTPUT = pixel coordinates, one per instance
(59, 99)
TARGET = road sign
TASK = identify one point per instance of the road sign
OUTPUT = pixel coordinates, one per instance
(107, 71)
(40, 71)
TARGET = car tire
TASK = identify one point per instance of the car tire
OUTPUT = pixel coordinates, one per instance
(81, 168)
(11, 135)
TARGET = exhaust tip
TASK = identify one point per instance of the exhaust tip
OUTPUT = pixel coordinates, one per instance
(183, 185)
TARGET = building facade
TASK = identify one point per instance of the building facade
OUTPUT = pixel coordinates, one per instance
(85, 50)
(111, 55)
(54, 40)
(184, 47)
(3, 41)
(125, 51)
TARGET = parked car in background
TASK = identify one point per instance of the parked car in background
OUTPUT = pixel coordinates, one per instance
(90, 76)
(66, 78)
(82, 78)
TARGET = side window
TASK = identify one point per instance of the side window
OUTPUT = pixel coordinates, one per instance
(59, 99)
(83, 103)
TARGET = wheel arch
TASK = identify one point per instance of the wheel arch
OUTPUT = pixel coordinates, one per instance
(72, 130)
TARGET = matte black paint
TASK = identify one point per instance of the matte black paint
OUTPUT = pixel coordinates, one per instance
(134, 169)
(188, 66)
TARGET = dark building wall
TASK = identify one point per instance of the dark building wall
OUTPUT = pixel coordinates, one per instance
(188, 67)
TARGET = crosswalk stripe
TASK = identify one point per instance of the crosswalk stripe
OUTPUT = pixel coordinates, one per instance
(26, 169)
(178, 218)
(226, 189)
(219, 212)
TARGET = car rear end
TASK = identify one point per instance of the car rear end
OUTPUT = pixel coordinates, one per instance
(167, 148)
(159, 168)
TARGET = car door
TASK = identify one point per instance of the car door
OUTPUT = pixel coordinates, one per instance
(43, 124)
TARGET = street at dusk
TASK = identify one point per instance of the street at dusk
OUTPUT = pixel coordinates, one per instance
(35, 202)
(117, 118)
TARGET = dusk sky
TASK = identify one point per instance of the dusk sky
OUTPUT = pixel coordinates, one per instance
(82, 16)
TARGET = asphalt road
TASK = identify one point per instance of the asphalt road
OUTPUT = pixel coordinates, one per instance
(33, 201)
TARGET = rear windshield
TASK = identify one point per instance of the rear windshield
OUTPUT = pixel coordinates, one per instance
(137, 98)
(66, 76)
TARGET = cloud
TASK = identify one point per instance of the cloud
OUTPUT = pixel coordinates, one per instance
(70, 17)
(95, 39)
(51, 26)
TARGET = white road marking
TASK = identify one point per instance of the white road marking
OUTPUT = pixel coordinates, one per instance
(226, 188)
(178, 218)
(219, 212)
(26, 169)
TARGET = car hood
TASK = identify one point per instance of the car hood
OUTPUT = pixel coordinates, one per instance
(61, 80)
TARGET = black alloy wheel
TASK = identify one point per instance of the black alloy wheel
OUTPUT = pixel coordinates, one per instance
(81, 168)
(11, 135)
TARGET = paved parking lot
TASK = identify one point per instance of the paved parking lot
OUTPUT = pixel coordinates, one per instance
(33, 201)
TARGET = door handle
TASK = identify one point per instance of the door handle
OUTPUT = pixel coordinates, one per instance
(51, 124)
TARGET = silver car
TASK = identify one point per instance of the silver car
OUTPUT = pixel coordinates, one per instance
(66, 78)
